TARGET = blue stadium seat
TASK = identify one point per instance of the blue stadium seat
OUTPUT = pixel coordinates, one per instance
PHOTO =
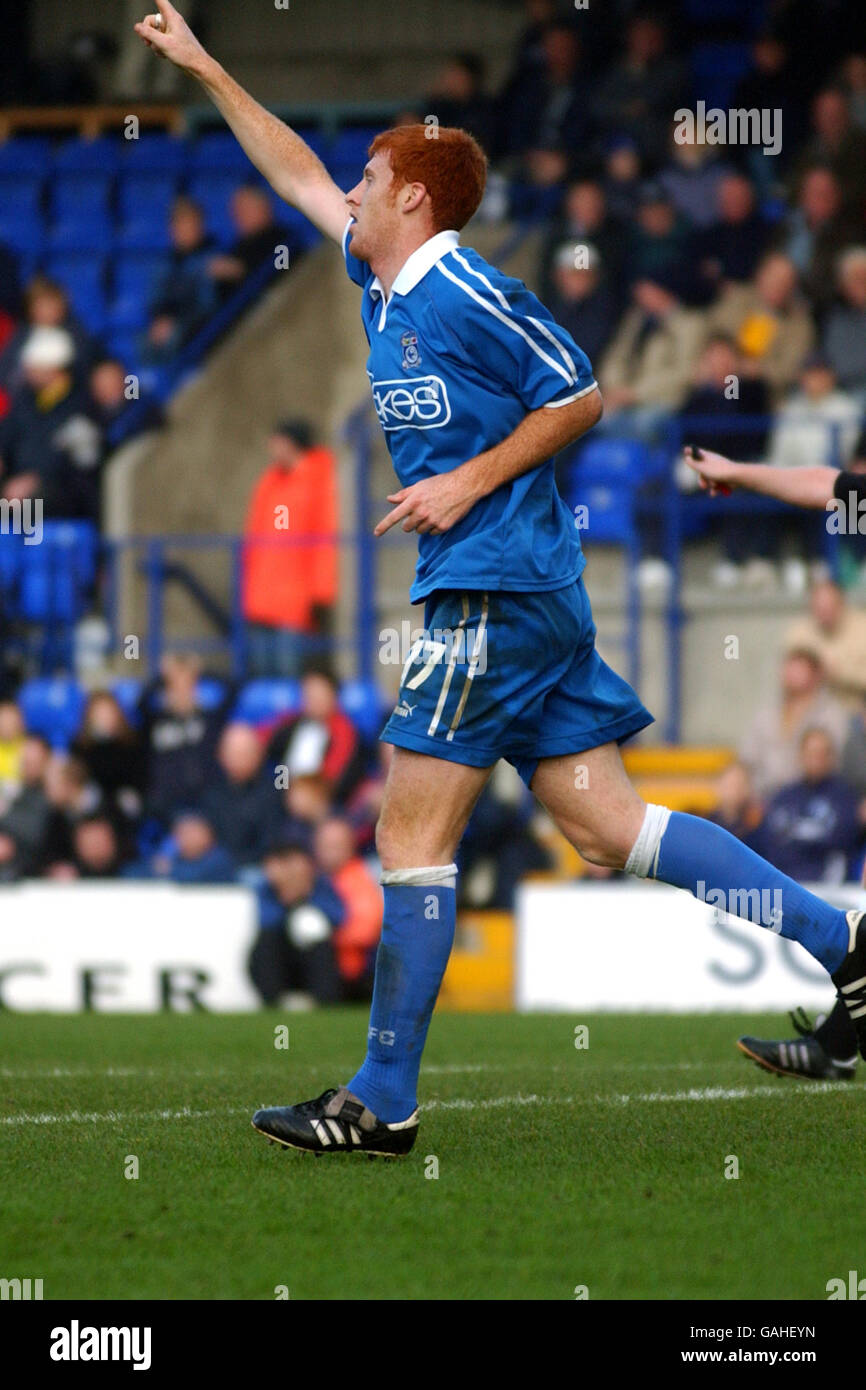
(24, 233)
(365, 705)
(99, 156)
(137, 272)
(345, 176)
(12, 554)
(146, 195)
(263, 701)
(142, 233)
(124, 345)
(350, 146)
(79, 233)
(74, 194)
(89, 307)
(716, 70)
(610, 515)
(20, 193)
(748, 15)
(56, 576)
(219, 150)
(29, 155)
(127, 692)
(617, 461)
(213, 191)
(128, 312)
(53, 707)
(79, 268)
(155, 153)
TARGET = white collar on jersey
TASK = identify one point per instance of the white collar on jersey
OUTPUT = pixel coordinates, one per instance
(413, 270)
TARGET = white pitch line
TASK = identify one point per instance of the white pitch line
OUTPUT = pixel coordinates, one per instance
(705, 1094)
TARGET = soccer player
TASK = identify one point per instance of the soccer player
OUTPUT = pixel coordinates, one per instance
(827, 1051)
(476, 388)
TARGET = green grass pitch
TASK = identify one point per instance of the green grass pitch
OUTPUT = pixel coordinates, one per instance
(602, 1167)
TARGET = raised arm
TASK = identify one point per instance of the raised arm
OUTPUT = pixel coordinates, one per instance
(802, 487)
(288, 164)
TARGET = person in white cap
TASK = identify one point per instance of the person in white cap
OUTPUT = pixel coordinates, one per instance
(50, 443)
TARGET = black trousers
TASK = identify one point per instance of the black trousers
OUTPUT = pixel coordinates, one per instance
(276, 965)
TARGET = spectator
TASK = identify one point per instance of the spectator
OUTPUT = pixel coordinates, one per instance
(320, 740)
(772, 84)
(540, 182)
(96, 847)
(814, 233)
(10, 292)
(769, 322)
(733, 243)
(259, 237)
(836, 632)
(112, 396)
(817, 424)
(12, 735)
(837, 143)
(771, 746)
(27, 813)
(307, 802)
(660, 246)
(185, 293)
(721, 413)
(355, 941)
(844, 338)
(71, 795)
(111, 751)
(298, 914)
(692, 179)
(854, 86)
(11, 870)
(192, 854)
(736, 809)
(623, 179)
(584, 221)
(498, 848)
(581, 298)
(240, 800)
(50, 442)
(811, 829)
(290, 558)
(46, 305)
(638, 94)
(457, 98)
(644, 374)
(545, 108)
(179, 736)
(722, 392)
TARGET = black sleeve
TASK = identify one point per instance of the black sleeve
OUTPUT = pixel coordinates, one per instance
(847, 483)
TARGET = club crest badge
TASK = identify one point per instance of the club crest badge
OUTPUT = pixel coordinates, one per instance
(411, 355)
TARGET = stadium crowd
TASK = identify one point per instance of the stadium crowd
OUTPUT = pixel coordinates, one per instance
(180, 789)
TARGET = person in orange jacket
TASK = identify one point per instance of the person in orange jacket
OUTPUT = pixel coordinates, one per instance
(290, 558)
(356, 939)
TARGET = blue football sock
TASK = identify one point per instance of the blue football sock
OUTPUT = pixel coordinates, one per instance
(696, 854)
(417, 936)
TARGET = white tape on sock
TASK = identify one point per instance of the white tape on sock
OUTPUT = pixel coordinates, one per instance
(643, 861)
(439, 876)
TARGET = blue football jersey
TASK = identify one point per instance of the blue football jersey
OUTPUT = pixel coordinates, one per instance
(459, 354)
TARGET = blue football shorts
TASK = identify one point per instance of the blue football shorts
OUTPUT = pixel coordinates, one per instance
(510, 675)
